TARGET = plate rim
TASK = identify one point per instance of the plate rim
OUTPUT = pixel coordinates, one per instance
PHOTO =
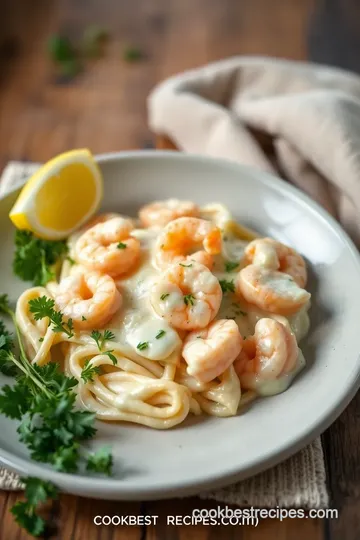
(116, 487)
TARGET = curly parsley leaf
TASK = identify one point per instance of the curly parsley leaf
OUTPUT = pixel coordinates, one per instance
(111, 356)
(7, 367)
(42, 307)
(100, 461)
(100, 338)
(89, 371)
(34, 259)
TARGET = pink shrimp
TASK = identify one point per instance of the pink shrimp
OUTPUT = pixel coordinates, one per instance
(90, 299)
(160, 213)
(270, 290)
(184, 235)
(108, 247)
(209, 352)
(277, 256)
(267, 355)
(188, 296)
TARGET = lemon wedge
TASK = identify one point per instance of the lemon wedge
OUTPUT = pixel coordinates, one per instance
(60, 196)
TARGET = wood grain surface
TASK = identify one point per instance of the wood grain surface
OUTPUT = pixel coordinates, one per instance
(104, 108)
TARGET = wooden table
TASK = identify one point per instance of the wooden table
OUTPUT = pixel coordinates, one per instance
(104, 109)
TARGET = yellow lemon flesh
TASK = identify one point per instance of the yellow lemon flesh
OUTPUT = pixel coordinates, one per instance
(60, 196)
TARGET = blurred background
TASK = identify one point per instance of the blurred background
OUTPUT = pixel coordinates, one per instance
(76, 73)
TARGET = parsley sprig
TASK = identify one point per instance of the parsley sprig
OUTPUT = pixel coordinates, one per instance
(44, 307)
(42, 398)
(35, 259)
(100, 338)
(89, 371)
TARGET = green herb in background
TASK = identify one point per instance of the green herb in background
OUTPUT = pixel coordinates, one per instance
(93, 40)
(60, 49)
(70, 68)
(132, 54)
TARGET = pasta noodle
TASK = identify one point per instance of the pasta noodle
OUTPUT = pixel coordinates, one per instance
(140, 374)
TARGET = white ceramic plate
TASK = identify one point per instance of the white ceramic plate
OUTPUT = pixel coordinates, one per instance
(209, 452)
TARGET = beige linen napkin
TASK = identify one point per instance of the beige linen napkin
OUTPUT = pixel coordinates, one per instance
(297, 482)
(299, 120)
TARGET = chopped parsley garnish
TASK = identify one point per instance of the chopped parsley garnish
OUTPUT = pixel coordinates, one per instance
(227, 286)
(83, 318)
(164, 296)
(185, 265)
(142, 345)
(41, 339)
(89, 371)
(189, 299)
(42, 399)
(111, 356)
(121, 245)
(160, 334)
(230, 266)
(44, 307)
(100, 338)
(34, 259)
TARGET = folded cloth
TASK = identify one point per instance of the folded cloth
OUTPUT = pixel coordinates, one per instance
(300, 481)
(299, 120)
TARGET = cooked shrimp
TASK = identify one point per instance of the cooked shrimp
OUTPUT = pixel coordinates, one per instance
(209, 352)
(89, 299)
(108, 247)
(101, 218)
(267, 355)
(160, 213)
(188, 297)
(270, 290)
(182, 236)
(272, 254)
